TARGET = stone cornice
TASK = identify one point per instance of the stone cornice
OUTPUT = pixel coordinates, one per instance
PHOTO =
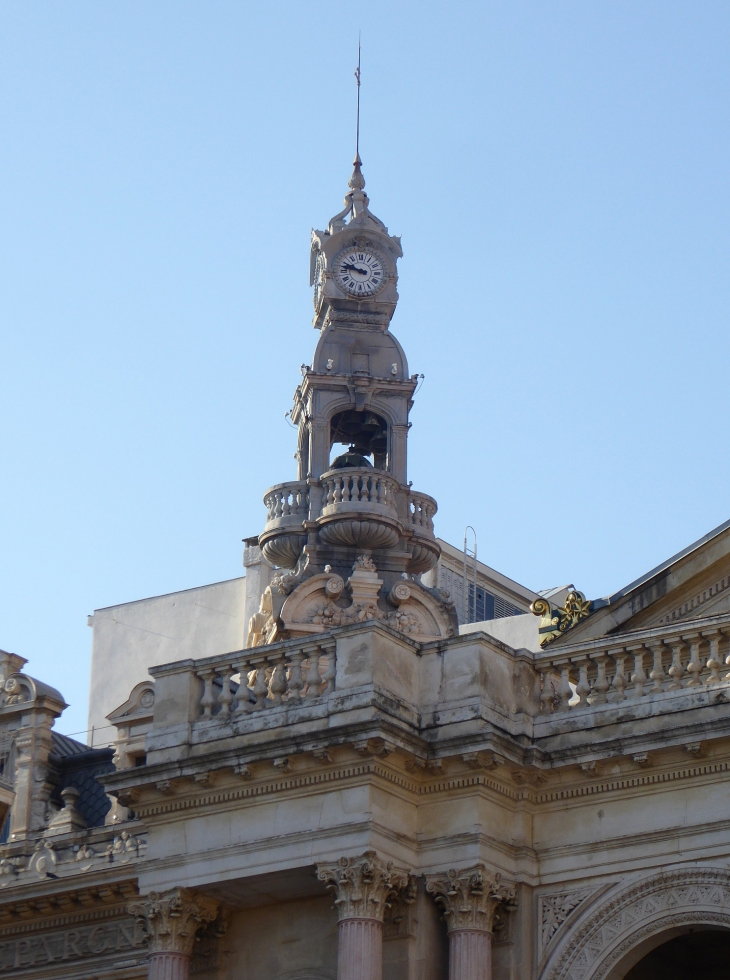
(60, 909)
(518, 787)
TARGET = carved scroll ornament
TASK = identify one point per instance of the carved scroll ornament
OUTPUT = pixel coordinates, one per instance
(363, 886)
(556, 620)
(470, 898)
(172, 918)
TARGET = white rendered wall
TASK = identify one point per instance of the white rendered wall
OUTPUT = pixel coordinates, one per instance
(518, 632)
(133, 636)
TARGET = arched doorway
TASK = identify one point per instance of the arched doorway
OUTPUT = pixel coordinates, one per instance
(699, 954)
(621, 930)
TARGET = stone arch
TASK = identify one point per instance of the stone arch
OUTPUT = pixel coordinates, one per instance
(635, 917)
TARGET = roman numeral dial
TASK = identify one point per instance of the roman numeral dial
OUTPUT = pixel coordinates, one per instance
(359, 273)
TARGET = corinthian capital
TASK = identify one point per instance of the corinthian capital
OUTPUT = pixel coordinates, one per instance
(362, 886)
(470, 898)
(172, 918)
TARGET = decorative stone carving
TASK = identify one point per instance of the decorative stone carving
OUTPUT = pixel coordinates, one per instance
(68, 819)
(556, 620)
(172, 919)
(319, 604)
(469, 898)
(398, 919)
(362, 886)
(262, 625)
(555, 909)
(43, 859)
(631, 913)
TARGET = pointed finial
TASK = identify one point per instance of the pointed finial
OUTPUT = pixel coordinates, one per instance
(357, 181)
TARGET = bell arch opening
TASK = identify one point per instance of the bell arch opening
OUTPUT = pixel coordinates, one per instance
(690, 953)
(365, 434)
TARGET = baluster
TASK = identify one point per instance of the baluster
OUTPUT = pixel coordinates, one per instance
(379, 490)
(279, 504)
(295, 677)
(583, 688)
(694, 667)
(260, 688)
(329, 674)
(547, 694)
(226, 695)
(657, 671)
(638, 678)
(208, 699)
(676, 671)
(277, 684)
(565, 691)
(242, 700)
(285, 503)
(713, 661)
(314, 681)
(601, 685)
(619, 677)
(339, 483)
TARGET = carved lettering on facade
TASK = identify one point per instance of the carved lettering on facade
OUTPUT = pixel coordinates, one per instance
(71, 944)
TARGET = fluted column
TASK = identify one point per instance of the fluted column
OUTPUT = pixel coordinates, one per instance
(362, 887)
(470, 899)
(171, 920)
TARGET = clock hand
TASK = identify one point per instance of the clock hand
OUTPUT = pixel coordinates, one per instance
(354, 268)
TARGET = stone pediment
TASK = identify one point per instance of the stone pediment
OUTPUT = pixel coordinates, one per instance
(692, 584)
(139, 705)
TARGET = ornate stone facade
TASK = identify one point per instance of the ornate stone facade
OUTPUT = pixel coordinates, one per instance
(360, 791)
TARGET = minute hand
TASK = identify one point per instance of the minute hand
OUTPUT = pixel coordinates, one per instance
(354, 268)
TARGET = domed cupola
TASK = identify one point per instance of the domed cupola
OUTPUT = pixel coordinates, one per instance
(351, 501)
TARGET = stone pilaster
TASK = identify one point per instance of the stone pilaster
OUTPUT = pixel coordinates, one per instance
(172, 920)
(362, 887)
(470, 899)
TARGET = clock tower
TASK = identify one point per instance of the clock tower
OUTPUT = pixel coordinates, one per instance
(350, 535)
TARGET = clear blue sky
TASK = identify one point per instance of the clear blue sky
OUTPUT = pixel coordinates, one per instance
(559, 173)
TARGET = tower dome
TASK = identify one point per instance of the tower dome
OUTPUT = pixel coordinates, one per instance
(353, 508)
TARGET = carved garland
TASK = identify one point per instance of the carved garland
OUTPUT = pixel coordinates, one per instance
(648, 907)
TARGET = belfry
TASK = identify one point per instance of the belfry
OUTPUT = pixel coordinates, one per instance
(352, 533)
(373, 757)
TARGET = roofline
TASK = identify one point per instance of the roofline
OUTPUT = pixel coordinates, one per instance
(500, 579)
(164, 595)
(666, 564)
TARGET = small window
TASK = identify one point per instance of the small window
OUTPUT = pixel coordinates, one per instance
(140, 760)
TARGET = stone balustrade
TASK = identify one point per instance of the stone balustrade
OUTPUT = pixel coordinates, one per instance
(253, 681)
(358, 489)
(421, 511)
(645, 662)
(287, 503)
(357, 507)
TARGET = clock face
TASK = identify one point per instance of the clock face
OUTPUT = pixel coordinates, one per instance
(318, 279)
(359, 272)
